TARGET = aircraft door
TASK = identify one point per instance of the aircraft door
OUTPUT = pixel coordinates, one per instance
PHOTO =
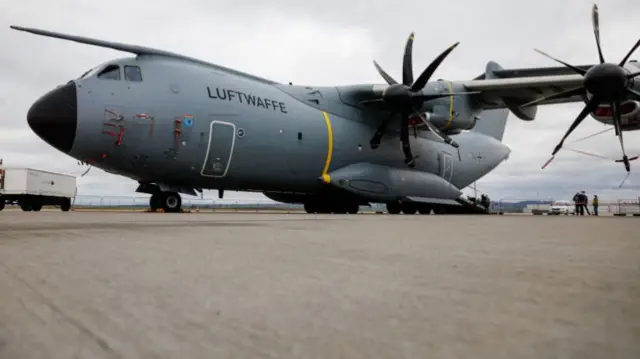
(222, 136)
(446, 165)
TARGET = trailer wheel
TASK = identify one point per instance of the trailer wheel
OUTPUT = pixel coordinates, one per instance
(36, 207)
(25, 207)
(65, 206)
(1, 204)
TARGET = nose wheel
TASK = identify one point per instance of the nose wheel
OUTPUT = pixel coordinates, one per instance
(169, 202)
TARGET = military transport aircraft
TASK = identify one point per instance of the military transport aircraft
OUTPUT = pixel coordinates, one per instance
(178, 125)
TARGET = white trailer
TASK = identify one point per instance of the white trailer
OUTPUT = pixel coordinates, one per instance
(31, 189)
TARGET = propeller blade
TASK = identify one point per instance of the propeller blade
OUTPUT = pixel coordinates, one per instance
(615, 107)
(633, 49)
(563, 94)
(633, 92)
(591, 105)
(548, 162)
(595, 20)
(384, 75)
(428, 72)
(630, 76)
(624, 180)
(575, 69)
(630, 159)
(407, 64)
(443, 136)
(404, 137)
(425, 98)
(377, 137)
(368, 102)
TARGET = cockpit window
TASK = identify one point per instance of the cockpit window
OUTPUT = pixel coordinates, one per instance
(133, 73)
(111, 72)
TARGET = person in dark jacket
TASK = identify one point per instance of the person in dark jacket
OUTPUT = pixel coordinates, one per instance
(576, 203)
(581, 202)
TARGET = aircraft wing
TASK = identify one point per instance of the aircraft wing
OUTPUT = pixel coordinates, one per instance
(500, 88)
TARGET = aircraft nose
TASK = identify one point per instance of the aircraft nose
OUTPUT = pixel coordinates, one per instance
(54, 117)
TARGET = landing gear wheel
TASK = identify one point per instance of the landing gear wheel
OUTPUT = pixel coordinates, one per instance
(424, 209)
(353, 208)
(339, 209)
(409, 208)
(171, 202)
(310, 207)
(394, 208)
(440, 209)
(155, 202)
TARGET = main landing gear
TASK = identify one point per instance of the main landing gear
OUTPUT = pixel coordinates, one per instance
(169, 202)
(338, 207)
(409, 208)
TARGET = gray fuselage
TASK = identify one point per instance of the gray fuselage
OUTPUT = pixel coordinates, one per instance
(184, 124)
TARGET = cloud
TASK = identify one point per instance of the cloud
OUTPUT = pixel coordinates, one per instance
(330, 43)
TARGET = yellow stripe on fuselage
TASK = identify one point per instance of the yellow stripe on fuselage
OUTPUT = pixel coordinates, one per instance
(450, 105)
(327, 163)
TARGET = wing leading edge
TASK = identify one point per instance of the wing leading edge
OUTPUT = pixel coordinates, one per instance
(511, 88)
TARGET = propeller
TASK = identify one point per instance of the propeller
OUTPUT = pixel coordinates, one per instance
(406, 97)
(608, 83)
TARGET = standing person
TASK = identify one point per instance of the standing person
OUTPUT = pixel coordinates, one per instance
(576, 200)
(585, 202)
(580, 203)
(595, 204)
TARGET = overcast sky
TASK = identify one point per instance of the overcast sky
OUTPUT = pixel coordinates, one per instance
(332, 43)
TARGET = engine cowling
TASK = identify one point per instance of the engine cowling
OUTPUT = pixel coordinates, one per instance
(441, 119)
(630, 113)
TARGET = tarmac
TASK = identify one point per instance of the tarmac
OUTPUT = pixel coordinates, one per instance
(247, 285)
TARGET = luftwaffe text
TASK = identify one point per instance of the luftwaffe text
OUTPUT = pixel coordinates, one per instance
(232, 95)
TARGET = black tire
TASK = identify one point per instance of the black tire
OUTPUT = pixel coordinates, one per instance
(155, 202)
(424, 209)
(1, 204)
(440, 209)
(25, 207)
(171, 202)
(36, 207)
(310, 207)
(409, 208)
(353, 208)
(65, 206)
(394, 208)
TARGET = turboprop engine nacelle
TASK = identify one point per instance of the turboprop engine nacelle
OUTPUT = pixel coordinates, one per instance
(453, 123)
(630, 113)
